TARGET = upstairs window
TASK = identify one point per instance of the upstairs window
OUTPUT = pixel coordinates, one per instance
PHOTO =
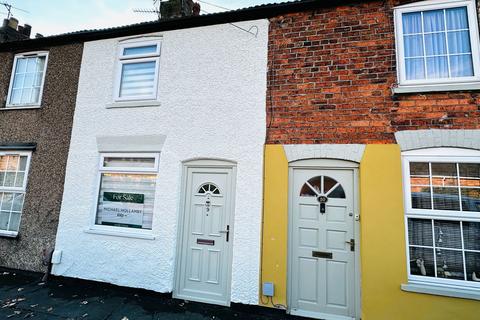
(26, 84)
(137, 70)
(437, 42)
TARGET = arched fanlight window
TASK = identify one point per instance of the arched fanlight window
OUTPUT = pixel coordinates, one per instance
(322, 186)
(208, 188)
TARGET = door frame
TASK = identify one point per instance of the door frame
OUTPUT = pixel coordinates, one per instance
(230, 206)
(326, 164)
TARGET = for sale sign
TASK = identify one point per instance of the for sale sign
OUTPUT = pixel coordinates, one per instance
(123, 209)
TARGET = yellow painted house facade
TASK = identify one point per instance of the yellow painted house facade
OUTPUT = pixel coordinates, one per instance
(372, 162)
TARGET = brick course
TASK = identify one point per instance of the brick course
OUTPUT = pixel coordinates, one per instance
(330, 77)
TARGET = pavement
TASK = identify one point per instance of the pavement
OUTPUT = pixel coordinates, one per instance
(24, 296)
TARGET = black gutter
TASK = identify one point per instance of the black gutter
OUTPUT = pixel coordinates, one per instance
(18, 146)
(252, 13)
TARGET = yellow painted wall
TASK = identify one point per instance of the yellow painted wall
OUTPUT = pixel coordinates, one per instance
(383, 259)
(275, 220)
(383, 247)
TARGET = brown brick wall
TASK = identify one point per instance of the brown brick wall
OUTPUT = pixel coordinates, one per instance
(50, 128)
(330, 78)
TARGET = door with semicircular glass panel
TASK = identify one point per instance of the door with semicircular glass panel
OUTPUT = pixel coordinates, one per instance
(322, 245)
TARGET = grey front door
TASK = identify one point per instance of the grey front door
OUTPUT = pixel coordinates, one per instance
(204, 268)
(322, 258)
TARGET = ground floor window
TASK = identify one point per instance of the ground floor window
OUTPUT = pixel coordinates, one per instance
(127, 190)
(442, 200)
(13, 182)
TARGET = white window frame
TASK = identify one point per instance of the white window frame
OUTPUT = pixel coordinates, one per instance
(12, 78)
(474, 38)
(448, 155)
(122, 59)
(114, 230)
(23, 189)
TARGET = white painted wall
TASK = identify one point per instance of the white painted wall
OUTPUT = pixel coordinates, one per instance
(212, 90)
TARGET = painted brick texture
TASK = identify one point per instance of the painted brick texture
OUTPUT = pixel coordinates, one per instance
(330, 77)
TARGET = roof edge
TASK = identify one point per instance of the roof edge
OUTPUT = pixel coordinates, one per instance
(251, 13)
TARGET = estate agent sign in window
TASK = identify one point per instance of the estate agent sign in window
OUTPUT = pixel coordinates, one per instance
(437, 42)
(26, 84)
(137, 70)
(127, 190)
(442, 199)
(13, 182)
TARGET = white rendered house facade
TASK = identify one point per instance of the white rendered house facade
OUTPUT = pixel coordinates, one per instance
(163, 187)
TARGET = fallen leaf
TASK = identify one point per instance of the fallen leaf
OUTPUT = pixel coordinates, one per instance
(20, 289)
(49, 309)
(85, 315)
(84, 302)
(33, 305)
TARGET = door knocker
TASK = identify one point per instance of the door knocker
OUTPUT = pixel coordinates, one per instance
(207, 204)
(323, 200)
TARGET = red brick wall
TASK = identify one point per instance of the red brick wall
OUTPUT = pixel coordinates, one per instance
(330, 78)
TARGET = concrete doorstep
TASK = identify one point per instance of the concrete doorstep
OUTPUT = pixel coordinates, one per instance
(24, 296)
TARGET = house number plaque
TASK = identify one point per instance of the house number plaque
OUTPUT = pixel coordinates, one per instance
(323, 200)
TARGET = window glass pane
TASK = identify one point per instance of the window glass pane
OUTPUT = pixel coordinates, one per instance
(435, 44)
(126, 200)
(413, 46)
(337, 193)
(18, 202)
(140, 50)
(472, 260)
(450, 264)
(21, 65)
(31, 65)
(328, 183)
(14, 221)
(471, 236)
(448, 234)
(444, 169)
(420, 232)
(457, 18)
(126, 162)
(7, 201)
(412, 22)
(29, 79)
(461, 66)
(315, 183)
(18, 81)
(415, 68)
(137, 79)
(16, 96)
(459, 42)
(26, 96)
(446, 199)
(4, 216)
(471, 199)
(469, 170)
(19, 179)
(437, 67)
(421, 197)
(433, 21)
(9, 179)
(419, 168)
(421, 262)
(12, 163)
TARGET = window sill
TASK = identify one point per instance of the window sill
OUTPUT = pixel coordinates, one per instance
(436, 87)
(8, 234)
(8, 108)
(114, 233)
(439, 290)
(133, 104)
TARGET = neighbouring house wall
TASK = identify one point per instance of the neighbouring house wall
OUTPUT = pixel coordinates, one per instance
(382, 240)
(330, 78)
(212, 91)
(50, 128)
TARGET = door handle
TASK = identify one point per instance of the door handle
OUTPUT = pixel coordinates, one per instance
(352, 244)
(227, 232)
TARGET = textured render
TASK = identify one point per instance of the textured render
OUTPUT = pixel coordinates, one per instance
(351, 152)
(417, 139)
(331, 73)
(49, 127)
(212, 90)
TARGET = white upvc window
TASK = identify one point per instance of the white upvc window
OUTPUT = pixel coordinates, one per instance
(442, 204)
(126, 191)
(14, 168)
(137, 70)
(437, 43)
(26, 82)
